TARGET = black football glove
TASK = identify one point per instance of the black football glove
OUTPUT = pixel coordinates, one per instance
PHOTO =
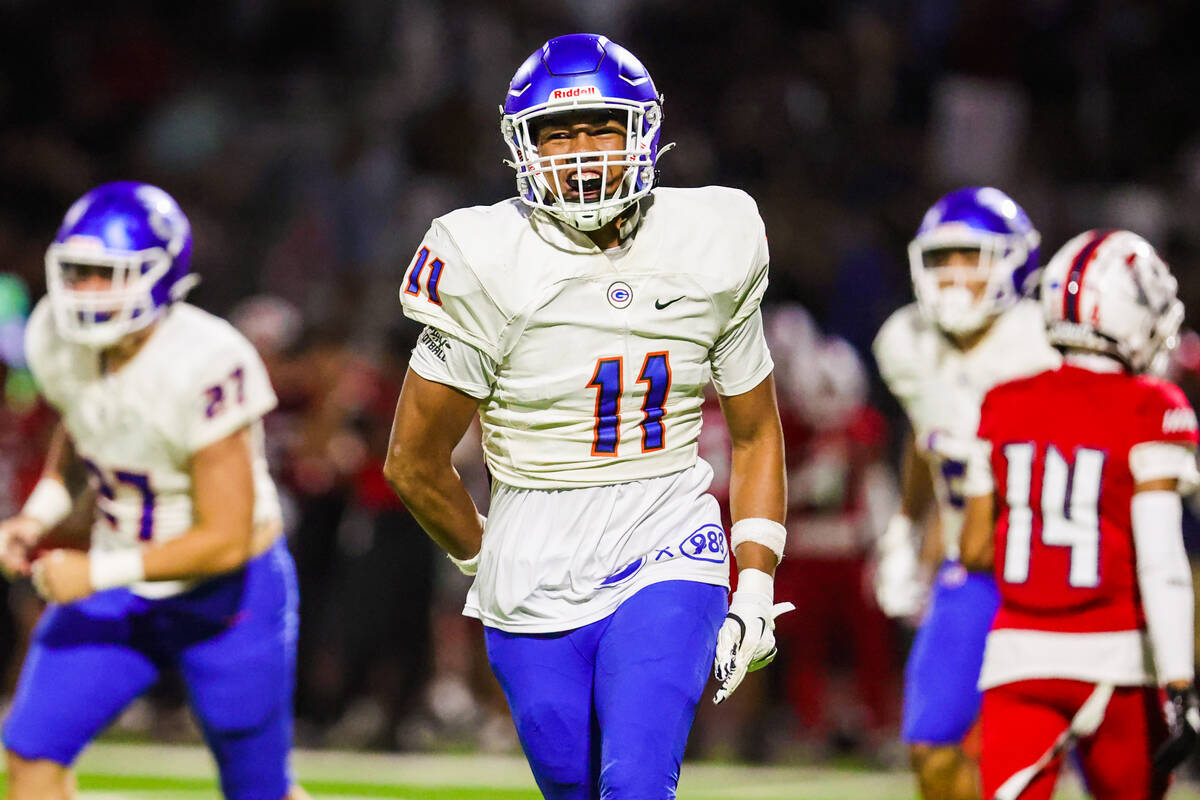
(1183, 722)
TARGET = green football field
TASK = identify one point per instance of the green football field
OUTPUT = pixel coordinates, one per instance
(139, 772)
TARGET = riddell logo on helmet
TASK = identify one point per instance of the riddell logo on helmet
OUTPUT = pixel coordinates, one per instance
(82, 241)
(575, 91)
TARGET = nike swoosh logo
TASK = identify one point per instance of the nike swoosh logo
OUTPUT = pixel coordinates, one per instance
(660, 305)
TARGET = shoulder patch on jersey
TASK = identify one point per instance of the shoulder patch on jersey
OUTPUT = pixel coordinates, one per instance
(1165, 410)
(436, 342)
(1178, 420)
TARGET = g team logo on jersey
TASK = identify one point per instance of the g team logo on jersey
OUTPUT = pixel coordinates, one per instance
(1178, 420)
(575, 91)
(620, 295)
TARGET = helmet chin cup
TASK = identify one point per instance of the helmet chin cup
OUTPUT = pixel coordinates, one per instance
(586, 220)
(957, 311)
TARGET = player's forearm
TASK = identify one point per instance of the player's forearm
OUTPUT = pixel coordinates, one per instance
(50, 502)
(758, 488)
(199, 553)
(438, 500)
(1165, 582)
(977, 545)
(59, 454)
(916, 482)
(757, 480)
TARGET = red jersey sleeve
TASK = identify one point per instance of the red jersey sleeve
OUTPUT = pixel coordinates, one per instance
(1165, 415)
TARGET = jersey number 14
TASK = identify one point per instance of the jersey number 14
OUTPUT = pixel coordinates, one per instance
(607, 381)
(1070, 510)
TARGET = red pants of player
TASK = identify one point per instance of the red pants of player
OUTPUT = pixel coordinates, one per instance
(834, 618)
(1021, 720)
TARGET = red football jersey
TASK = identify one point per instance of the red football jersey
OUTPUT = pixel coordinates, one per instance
(1060, 458)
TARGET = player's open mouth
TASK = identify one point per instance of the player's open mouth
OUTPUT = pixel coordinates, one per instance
(592, 185)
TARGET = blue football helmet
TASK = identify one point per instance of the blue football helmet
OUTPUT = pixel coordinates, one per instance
(120, 259)
(583, 72)
(982, 219)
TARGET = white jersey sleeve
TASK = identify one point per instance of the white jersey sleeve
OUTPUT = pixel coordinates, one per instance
(47, 356)
(752, 288)
(444, 359)
(740, 359)
(441, 289)
(229, 392)
(896, 354)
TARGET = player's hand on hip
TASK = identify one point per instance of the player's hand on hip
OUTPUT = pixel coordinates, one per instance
(18, 536)
(746, 640)
(899, 588)
(1183, 724)
(62, 576)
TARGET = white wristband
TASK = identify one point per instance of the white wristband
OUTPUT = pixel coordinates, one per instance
(767, 532)
(109, 569)
(49, 503)
(469, 566)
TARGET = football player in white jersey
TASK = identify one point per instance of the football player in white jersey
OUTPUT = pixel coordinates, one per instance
(974, 257)
(582, 320)
(163, 405)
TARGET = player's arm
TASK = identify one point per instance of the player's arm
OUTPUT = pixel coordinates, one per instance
(916, 481)
(899, 589)
(49, 504)
(741, 372)
(757, 479)
(977, 549)
(1165, 584)
(758, 503)
(219, 540)
(430, 420)
(977, 541)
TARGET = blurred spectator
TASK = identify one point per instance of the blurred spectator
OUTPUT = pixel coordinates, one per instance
(25, 426)
(840, 494)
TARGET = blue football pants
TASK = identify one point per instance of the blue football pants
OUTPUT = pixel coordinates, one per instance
(941, 695)
(233, 638)
(603, 711)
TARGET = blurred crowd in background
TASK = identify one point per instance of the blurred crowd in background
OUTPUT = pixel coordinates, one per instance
(311, 141)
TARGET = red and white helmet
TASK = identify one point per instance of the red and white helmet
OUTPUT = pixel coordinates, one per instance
(792, 335)
(834, 386)
(1109, 292)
